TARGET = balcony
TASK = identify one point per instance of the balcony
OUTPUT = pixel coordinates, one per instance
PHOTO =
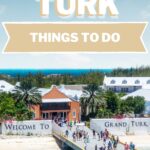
(55, 106)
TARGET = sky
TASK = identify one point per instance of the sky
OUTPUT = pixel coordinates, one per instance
(29, 10)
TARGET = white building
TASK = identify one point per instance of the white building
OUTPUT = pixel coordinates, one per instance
(126, 84)
(5, 86)
(143, 93)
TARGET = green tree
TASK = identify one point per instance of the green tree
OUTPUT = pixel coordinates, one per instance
(7, 107)
(113, 101)
(90, 95)
(137, 104)
(84, 105)
(28, 94)
(104, 113)
(39, 80)
(22, 112)
(92, 100)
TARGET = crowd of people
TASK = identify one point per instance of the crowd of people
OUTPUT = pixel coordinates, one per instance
(110, 142)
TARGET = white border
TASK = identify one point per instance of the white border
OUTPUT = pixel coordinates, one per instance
(64, 52)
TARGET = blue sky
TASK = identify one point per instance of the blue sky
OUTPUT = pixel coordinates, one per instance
(29, 10)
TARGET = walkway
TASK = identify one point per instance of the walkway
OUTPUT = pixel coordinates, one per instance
(60, 131)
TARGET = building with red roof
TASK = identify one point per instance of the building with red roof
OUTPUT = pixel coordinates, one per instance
(56, 104)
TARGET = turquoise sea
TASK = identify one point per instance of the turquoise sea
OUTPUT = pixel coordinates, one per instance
(75, 72)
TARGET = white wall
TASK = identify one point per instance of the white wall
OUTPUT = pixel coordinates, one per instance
(42, 127)
(122, 126)
(0, 128)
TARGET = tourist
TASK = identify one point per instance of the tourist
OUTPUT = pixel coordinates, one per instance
(75, 122)
(88, 138)
(101, 134)
(99, 137)
(85, 139)
(101, 148)
(117, 139)
(94, 136)
(80, 136)
(70, 125)
(115, 144)
(74, 136)
(126, 146)
(106, 133)
(67, 133)
(110, 145)
(132, 146)
(96, 147)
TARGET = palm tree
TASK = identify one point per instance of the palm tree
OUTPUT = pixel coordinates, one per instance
(92, 98)
(28, 94)
(84, 105)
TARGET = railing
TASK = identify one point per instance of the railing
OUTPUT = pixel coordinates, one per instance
(59, 133)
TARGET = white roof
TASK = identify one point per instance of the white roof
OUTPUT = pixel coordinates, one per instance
(43, 91)
(142, 92)
(58, 100)
(127, 81)
(5, 86)
(71, 93)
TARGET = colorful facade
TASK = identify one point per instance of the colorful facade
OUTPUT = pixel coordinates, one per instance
(57, 104)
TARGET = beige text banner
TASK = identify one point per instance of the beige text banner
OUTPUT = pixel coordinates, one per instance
(75, 37)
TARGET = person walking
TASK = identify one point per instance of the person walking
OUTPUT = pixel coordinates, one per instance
(132, 146)
(96, 147)
(94, 136)
(115, 144)
(110, 145)
(67, 133)
(126, 146)
(74, 136)
(117, 139)
(99, 136)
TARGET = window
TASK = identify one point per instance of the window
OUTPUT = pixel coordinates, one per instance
(124, 90)
(137, 82)
(124, 82)
(112, 82)
(148, 82)
(45, 115)
(74, 114)
(2, 86)
(33, 115)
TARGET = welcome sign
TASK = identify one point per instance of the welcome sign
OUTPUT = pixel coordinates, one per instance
(122, 126)
(42, 127)
(76, 36)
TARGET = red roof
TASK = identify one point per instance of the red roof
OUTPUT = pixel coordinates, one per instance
(54, 94)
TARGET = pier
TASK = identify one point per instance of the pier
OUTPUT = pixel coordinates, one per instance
(59, 133)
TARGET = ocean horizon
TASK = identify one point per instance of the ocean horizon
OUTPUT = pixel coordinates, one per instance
(75, 72)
